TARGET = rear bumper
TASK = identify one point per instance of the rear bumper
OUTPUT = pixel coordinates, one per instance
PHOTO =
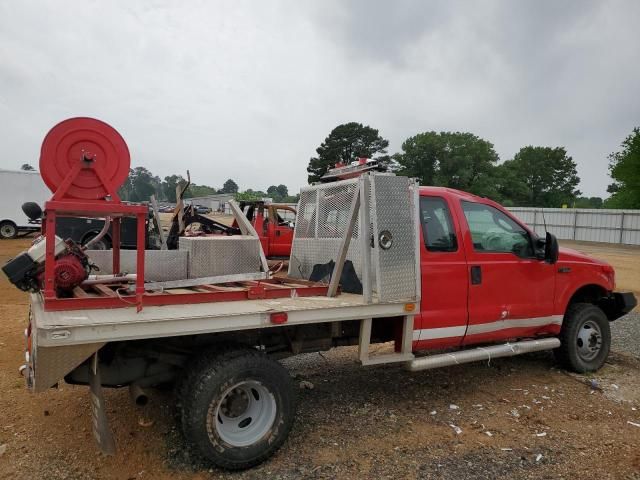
(619, 304)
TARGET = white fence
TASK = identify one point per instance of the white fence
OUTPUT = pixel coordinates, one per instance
(590, 225)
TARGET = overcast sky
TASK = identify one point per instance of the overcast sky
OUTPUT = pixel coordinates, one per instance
(248, 90)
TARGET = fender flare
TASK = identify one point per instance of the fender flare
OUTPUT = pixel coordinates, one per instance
(593, 293)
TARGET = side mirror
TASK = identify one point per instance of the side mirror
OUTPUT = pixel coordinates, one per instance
(551, 248)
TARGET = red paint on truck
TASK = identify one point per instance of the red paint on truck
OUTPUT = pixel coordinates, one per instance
(482, 281)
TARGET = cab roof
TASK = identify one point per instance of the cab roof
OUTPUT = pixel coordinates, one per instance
(459, 194)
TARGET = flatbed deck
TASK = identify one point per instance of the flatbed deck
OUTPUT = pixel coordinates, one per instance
(77, 327)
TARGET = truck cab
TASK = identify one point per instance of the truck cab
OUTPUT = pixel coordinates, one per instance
(494, 283)
(274, 224)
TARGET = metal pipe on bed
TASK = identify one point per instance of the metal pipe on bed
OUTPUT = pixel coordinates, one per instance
(101, 234)
(97, 279)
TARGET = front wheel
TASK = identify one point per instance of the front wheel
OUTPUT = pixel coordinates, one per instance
(585, 338)
(237, 407)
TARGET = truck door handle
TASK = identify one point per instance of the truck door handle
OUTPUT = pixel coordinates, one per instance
(476, 275)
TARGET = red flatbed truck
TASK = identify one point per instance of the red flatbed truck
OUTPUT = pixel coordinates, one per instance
(484, 280)
(425, 268)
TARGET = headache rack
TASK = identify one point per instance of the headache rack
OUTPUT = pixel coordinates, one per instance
(370, 221)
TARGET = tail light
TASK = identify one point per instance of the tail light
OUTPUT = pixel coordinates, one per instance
(278, 318)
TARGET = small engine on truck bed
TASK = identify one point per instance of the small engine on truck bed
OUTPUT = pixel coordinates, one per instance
(26, 271)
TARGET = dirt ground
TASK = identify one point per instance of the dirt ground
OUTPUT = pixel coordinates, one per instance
(518, 418)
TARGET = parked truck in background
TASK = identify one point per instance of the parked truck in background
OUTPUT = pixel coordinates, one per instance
(274, 223)
(453, 271)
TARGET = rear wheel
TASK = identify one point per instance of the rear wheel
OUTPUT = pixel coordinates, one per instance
(8, 230)
(103, 244)
(237, 407)
(585, 338)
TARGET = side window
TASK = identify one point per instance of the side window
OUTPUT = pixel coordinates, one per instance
(493, 231)
(437, 227)
(285, 216)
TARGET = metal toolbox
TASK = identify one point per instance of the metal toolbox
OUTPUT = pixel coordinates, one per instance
(159, 265)
(221, 255)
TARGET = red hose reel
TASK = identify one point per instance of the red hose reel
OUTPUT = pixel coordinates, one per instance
(84, 158)
(84, 161)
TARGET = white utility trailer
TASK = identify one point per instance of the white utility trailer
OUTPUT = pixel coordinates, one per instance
(18, 187)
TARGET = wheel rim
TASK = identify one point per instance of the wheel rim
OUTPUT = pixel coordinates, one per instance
(99, 245)
(7, 230)
(245, 414)
(589, 340)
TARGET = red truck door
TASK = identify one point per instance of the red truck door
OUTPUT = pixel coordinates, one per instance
(510, 291)
(280, 231)
(444, 278)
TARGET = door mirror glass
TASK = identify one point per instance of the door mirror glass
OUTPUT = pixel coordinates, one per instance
(551, 248)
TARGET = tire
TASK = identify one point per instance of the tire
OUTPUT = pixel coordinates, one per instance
(237, 407)
(103, 244)
(585, 338)
(8, 230)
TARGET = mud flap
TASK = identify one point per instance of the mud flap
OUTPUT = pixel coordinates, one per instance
(100, 424)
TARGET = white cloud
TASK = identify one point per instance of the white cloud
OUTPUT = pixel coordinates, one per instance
(248, 90)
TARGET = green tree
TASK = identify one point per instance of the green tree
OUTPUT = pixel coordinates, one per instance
(27, 167)
(452, 159)
(199, 191)
(509, 186)
(624, 167)
(291, 198)
(168, 187)
(278, 193)
(140, 185)
(540, 177)
(250, 195)
(345, 144)
(419, 157)
(126, 188)
(229, 187)
(588, 202)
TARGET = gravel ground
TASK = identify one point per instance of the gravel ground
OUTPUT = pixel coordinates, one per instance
(625, 334)
(519, 418)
